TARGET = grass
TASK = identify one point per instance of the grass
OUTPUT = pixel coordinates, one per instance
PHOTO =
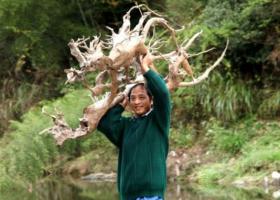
(225, 99)
(254, 144)
(182, 137)
(25, 154)
(208, 175)
(257, 157)
(270, 106)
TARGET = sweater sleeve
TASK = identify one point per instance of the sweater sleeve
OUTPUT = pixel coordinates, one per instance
(112, 124)
(161, 99)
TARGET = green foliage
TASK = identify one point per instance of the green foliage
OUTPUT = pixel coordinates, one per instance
(227, 140)
(181, 137)
(33, 53)
(263, 151)
(34, 38)
(184, 11)
(225, 99)
(16, 99)
(252, 32)
(260, 160)
(184, 102)
(258, 155)
(25, 154)
(33, 46)
(208, 175)
(232, 139)
(270, 106)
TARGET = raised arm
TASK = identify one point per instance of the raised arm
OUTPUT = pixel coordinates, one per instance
(112, 124)
(161, 96)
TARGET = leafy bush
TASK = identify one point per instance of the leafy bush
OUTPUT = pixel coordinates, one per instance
(258, 155)
(231, 139)
(208, 175)
(225, 99)
(25, 154)
(270, 107)
(263, 159)
(181, 137)
(263, 150)
(33, 48)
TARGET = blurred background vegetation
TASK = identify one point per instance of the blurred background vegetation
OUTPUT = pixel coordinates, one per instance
(238, 103)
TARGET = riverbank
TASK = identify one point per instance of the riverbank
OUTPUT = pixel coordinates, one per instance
(242, 153)
(208, 160)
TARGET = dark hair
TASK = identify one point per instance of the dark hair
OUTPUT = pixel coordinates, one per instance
(140, 84)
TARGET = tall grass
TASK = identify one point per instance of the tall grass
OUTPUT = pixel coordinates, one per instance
(17, 97)
(225, 99)
(231, 139)
(257, 156)
(183, 136)
(207, 175)
(263, 151)
(25, 154)
(270, 106)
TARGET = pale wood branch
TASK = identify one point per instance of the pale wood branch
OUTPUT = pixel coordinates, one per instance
(206, 73)
(119, 69)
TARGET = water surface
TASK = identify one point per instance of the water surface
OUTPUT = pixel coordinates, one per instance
(70, 189)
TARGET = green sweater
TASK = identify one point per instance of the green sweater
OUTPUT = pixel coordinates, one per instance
(142, 143)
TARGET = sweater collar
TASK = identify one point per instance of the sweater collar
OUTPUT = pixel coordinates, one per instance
(144, 115)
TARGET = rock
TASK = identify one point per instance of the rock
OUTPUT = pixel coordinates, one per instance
(266, 182)
(275, 175)
(276, 195)
(96, 177)
(172, 154)
(77, 168)
(181, 161)
(239, 183)
(275, 178)
(176, 162)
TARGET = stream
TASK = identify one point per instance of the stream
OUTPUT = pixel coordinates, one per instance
(73, 189)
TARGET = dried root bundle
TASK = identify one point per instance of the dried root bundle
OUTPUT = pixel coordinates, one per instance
(124, 49)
